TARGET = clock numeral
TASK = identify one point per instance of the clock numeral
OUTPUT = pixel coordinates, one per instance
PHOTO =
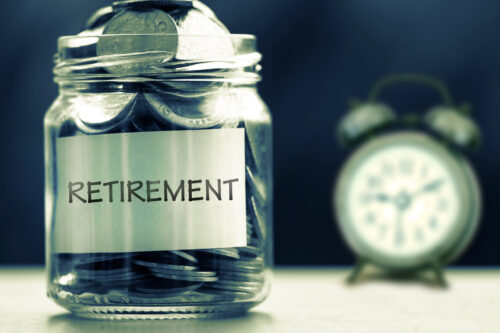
(387, 169)
(364, 199)
(419, 235)
(424, 171)
(442, 204)
(382, 230)
(406, 166)
(374, 182)
(399, 237)
(433, 223)
(370, 218)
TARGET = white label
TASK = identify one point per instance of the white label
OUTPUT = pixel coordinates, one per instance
(150, 191)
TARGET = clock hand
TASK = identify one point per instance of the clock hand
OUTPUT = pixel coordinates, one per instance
(398, 235)
(429, 187)
(382, 197)
(432, 186)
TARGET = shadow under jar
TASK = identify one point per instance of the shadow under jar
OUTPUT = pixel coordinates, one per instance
(158, 181)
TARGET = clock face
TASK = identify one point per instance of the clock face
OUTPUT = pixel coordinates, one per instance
(403, 198)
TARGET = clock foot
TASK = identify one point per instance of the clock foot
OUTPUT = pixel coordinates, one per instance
(360, 263)
(439, 273)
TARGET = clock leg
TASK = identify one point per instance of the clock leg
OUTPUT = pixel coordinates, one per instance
(438, 271)
(360, 262)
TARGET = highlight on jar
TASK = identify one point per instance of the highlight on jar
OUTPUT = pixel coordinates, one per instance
(158, 167)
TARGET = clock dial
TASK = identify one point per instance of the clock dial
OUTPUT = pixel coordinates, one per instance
(408, 192)
(404, 200)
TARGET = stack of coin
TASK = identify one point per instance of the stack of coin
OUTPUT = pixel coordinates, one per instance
(140, 37)
(228, 273)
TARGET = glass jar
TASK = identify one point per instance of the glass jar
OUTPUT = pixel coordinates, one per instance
(158, 180)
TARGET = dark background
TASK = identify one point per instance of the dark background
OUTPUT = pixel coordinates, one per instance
(317, 56)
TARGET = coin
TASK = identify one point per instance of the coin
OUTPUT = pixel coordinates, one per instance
(195, 273)
(200, 36)
(248, 285)
(100, 112)
(199, 111)
(138, 41)
(232, 288)
(185, 277)
(160, 287)
(225, 295)
(164, 261)
(105, 271)
(236, 266)
(240, 276)
(184, 255)
(228, 252)
(250, 251)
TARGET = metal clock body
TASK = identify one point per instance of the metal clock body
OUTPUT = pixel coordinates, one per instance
(403, 201)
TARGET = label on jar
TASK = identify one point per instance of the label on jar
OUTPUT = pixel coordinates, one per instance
(150, 191)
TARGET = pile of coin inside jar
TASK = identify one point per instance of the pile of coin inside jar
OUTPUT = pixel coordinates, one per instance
(163, 277)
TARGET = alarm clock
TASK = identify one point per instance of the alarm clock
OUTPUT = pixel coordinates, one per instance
(407, 199)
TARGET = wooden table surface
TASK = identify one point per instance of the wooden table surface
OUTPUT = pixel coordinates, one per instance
(302, 300)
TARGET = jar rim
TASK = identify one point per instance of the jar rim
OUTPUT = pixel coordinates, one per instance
(158, 56)
(65, 40)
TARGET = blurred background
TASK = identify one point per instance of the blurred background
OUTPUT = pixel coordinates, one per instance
(317, 56)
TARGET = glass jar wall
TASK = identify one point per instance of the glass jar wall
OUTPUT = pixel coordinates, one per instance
(158, 181)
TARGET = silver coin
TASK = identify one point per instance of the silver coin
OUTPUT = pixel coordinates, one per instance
(233, 288)
(201, 37)
(165, 260)
(184, 255)
(117, 265)
(90, 298)
(117, 296)
(93, 258)
(138, 41)
(225, 295)
(156, 265)
(190, 273)
(190, 278)
(239, 276)
(161, 287)
(201, 111)
(100, 112)
(174, 298)
(251, 251)
(248, 285)
(115, 277)
(228, 252)
(239, 267)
